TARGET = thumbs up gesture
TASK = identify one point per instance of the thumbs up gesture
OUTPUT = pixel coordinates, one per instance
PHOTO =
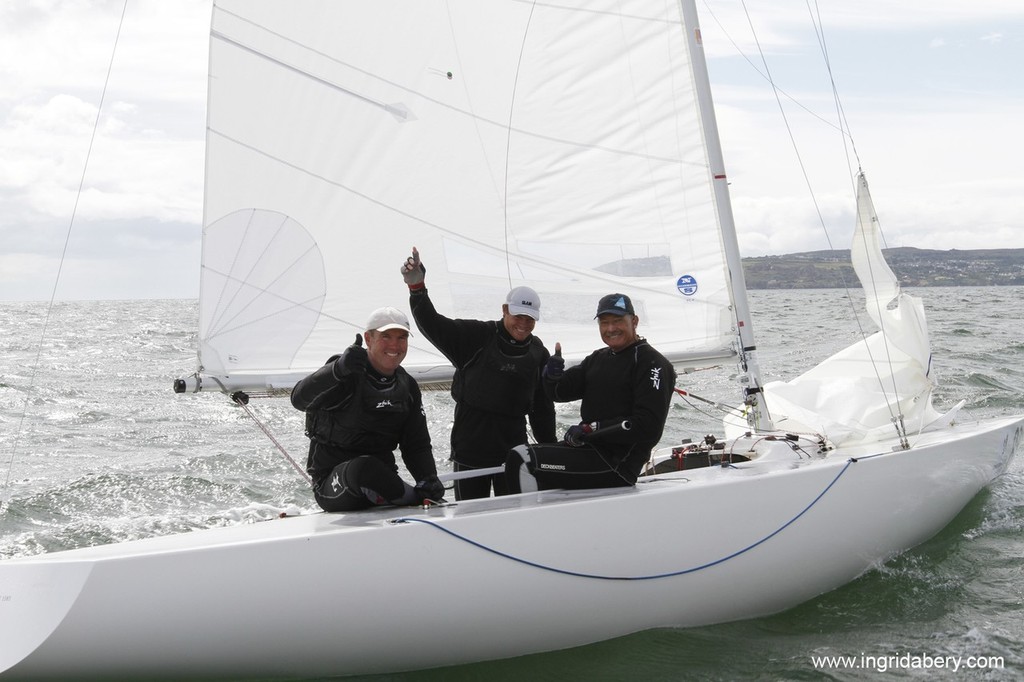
(354, 359)
(556, 365)
(413, 271)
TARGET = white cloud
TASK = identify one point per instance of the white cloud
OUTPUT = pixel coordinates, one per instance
(145, 165)
(934, 133)
(931, 92)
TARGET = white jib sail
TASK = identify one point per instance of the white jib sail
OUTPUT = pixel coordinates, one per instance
(864, 391)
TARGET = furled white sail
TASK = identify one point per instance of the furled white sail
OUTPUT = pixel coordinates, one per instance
(557, 145)
(877, 385)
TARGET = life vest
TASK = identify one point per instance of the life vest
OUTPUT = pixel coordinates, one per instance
(495, 381)
(369, 420)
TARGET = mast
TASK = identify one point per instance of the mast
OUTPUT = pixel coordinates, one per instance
(757, 414)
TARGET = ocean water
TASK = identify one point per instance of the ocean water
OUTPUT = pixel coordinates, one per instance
(96, 448)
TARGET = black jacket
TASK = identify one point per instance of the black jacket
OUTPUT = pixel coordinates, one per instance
(497, 384)
(634, 385)
(349, 414)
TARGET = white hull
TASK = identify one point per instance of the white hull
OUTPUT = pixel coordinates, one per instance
(344, 594)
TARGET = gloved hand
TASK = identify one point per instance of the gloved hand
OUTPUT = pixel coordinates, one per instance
(430, 488)
(574, 436)
(556, 365)
(413, 271)
(352, 360)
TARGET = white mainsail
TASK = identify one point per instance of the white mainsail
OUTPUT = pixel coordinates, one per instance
(558, 145)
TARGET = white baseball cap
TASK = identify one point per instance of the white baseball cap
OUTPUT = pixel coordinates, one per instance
(524, 301)
(383, 319)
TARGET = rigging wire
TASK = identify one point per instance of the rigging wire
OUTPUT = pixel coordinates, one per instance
(895, 414)
(789, 129)
(844, 125)
(848, 146)
(4, 496)
(242, 400)
(723, 410)
(767, 78)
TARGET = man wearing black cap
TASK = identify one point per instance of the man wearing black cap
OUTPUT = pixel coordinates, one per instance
(497, 382)
(625, 388)
(359, 407)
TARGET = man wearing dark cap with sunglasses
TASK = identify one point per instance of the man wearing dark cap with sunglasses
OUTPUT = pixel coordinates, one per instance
(497, 382)
(625, 388)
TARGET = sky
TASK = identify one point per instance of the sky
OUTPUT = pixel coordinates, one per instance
(932, 92)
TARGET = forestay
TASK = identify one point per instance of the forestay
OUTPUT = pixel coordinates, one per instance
(557, 145)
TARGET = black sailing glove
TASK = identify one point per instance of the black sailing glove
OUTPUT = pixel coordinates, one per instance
(430, 488)
(556, 365)
(576, 434)
(354, 359)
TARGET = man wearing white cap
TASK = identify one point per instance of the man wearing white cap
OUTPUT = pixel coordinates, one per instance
(359, 407)
(497, 382)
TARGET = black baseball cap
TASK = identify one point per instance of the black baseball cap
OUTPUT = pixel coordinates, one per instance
(616, 304)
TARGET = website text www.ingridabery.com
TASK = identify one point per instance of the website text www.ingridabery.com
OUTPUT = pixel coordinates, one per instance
(886, 662)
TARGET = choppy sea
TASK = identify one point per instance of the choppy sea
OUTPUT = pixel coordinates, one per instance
(96, 448)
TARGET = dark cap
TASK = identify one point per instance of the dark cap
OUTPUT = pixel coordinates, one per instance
(616, 304)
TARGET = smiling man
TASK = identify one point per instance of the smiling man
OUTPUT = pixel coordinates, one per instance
(497, 382)
(359, 407)
(625, 388)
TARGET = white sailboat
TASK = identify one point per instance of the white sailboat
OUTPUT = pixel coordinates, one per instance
(569, 146)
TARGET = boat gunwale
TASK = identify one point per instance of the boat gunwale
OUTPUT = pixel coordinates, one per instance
(314, 524)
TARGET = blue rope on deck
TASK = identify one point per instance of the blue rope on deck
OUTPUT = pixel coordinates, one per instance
(655, 576)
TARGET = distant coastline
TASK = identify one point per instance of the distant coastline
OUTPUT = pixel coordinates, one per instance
(913, 267)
